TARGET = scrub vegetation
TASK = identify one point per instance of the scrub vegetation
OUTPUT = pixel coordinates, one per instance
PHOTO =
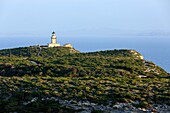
(35, 73)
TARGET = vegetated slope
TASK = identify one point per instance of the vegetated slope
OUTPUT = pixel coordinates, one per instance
(48, 94)
(33, 51)
(60, 79)
(69, 62)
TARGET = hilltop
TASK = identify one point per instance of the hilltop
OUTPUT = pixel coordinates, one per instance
(61, 78)
(63, 61)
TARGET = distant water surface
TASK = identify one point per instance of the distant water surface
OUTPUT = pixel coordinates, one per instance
(153, 48)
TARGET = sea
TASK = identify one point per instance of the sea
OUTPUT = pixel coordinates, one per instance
(153, 48)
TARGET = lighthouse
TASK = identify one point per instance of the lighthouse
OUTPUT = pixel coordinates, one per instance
(53, 38)
(54, 41)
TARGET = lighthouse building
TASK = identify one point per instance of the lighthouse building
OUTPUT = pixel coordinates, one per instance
(54, 41)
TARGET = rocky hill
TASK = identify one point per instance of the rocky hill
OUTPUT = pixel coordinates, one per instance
(61, 79)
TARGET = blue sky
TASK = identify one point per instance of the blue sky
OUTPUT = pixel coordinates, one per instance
(84, 18)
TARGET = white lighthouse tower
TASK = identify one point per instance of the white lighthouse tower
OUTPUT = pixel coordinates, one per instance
(54, 41)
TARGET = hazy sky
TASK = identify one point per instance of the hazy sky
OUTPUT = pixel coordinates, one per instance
(83, 17)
